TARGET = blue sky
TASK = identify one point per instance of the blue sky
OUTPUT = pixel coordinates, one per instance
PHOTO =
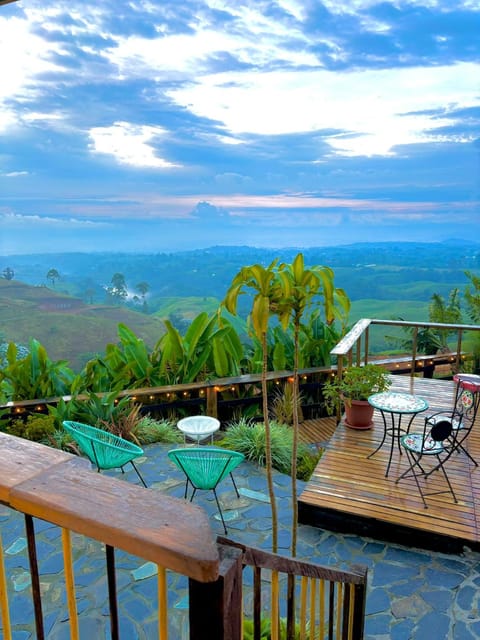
(166, 125)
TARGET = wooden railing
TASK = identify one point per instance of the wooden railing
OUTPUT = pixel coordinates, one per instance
(331, 601)
(354, 346)
(58, 488)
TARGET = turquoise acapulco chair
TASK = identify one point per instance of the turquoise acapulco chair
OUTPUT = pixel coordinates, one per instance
(205, 468)
(105, 450)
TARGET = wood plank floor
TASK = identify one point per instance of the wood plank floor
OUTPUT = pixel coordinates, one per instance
(350, 493)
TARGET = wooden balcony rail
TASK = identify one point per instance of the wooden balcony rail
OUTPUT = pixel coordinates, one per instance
(58, 488)
(353, 347)
(350, 347)
(54, 486)
(331, 603)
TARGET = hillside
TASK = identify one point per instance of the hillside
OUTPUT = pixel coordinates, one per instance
(67, 327)
(383, 280)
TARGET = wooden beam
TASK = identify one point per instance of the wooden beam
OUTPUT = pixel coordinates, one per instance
(49, 484)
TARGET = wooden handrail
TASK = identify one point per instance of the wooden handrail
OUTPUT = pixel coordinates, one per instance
(46, 483)
(353, 338)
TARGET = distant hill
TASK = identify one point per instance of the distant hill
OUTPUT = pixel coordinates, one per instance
(382, 279)
(67, 327)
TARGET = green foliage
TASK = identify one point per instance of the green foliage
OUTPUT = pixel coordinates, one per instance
(210, 348)
(36, 427)
(472, 297)
(249, 438)
(356, 383)
(282, 405)
(266, 630)
(102, 410)
(34, 376)
(148, 430)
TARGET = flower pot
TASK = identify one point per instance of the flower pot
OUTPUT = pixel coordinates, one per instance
(358, 414)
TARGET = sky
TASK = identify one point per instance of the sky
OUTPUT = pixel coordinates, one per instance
(159, 125)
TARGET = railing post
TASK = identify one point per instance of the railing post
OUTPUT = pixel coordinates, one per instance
(212, 407)
(222, 599)
(359, 351)
(414, 351)
(459, 352)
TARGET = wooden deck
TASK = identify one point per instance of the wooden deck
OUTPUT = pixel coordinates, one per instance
(350, 493)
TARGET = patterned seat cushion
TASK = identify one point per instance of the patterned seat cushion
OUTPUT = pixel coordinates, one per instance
(415, 442)
(456, 424)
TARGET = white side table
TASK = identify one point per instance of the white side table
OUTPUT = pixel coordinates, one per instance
(198, 428)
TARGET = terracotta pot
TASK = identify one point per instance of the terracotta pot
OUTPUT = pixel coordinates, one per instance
(358, 414)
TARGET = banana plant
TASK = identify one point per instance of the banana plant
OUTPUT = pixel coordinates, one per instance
(128, 364)
(209, 348)
(35, 375)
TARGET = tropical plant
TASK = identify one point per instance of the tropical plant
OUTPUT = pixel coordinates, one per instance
(99, 410)
(266, 631)
(356, 383)
(123, 423)
(282, 407)
(298, 287)
(149, 430)
(37, 427)
(210, 348)
(263, 281)
(472, 297)
(249, 438)
(34, 375)
(472, 301)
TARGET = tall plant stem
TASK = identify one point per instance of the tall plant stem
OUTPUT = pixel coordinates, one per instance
(268, 448)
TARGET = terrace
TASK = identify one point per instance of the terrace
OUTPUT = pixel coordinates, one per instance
(89, 515)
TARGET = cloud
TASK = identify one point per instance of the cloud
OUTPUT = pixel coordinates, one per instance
(129, 144)
(373, 111)
(261, 118)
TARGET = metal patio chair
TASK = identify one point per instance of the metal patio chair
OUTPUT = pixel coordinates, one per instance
(205, 468)
(433, 442)
(464, 412)
(104, 449)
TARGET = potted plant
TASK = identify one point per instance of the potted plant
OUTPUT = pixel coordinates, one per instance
(353, 389)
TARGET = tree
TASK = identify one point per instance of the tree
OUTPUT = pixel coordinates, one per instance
(143, 288)
(89, 293)
(118, 288)
(52, 275)
(298, 288)
(472, 297)
(264, 282)
(472, 301)
(449, 313)
(8, 273)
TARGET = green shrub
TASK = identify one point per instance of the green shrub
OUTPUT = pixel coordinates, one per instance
(266, 630)
(248, 438)
(36, 427)
(149, 430)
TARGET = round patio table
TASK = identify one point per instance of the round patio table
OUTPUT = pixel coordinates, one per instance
(393, 406)
(198, 428)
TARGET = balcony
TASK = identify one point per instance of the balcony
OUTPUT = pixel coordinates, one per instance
(42, 485)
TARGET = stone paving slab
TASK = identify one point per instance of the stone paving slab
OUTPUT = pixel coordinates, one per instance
(412, 593)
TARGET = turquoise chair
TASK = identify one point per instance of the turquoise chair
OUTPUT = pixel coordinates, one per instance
(104, 449)
(205, 468)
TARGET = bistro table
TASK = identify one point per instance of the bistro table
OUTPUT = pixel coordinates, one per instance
(393, 406)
